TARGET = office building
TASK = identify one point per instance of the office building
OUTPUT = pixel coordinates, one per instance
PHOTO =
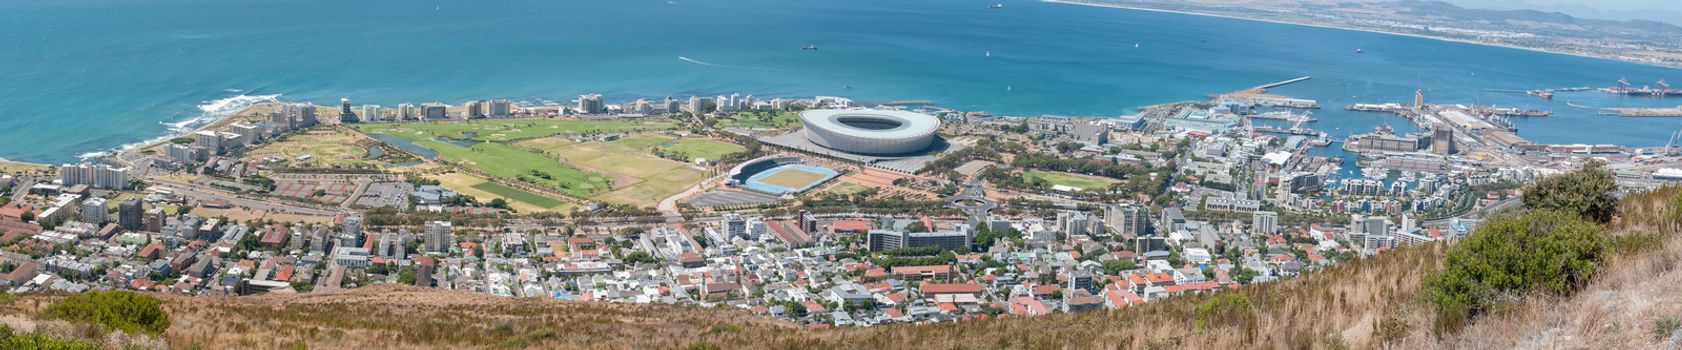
(881, 240)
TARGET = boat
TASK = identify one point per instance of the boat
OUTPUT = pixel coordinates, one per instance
(1360, 51)
(810, 47)
(997, 6)
(989, 54)
(1135, 45)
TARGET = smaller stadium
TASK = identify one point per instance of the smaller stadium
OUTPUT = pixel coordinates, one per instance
(779, 175)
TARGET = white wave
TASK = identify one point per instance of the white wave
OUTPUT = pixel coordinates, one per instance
(709, 64)
(209, 112)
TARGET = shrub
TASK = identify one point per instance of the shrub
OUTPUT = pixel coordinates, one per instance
(1225, 310)
(1545, 251)
(1587, 192)
(126, 311)
(37, 341)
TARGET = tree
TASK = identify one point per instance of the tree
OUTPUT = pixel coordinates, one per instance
(1544, 251)
(1587, 192)
(1115, 267)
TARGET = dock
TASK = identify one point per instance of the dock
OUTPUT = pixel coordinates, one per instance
(1257, 95)
(1643, 112)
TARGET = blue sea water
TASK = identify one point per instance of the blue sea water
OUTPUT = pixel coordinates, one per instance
(80, 76)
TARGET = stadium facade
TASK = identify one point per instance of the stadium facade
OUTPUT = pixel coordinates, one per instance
(870, 132)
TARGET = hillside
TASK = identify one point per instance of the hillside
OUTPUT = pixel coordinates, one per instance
(1367, 303)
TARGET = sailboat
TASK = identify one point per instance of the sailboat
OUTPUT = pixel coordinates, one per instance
(989, 54)
(810, 47)
(1135, 45)
(997, 6)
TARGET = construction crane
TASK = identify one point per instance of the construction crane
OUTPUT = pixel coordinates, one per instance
(1669, 146)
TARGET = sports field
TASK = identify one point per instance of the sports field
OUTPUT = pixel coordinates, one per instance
(639, 178)
(793, 178)
(510, 129)
(789, 179)
(1084, 182)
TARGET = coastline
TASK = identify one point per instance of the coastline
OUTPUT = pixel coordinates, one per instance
(216, 114)
(1375, 31)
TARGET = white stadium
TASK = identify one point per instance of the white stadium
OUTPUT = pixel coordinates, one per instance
(870, 132)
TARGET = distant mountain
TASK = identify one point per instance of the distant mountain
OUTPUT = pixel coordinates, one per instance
(1600, 11)
(1448, 10)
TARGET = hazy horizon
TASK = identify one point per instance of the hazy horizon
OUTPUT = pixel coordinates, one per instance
(1669, 11)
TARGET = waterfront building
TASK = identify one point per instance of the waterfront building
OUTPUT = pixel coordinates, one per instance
(209, 140)
(128, 213)
(371, 113)
(671, 105)
(435, 111)
(474, 109)
(591, 104)
(697, 105)
(94, 175)
(1442, 140)
(346, 115)
(499, 108)
(406, 111)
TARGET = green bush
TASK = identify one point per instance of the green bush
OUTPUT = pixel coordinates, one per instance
(126, 311)
(1545, 251)
(1587, 192)
(37, 341)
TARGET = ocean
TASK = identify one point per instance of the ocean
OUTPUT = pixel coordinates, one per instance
(81, 76)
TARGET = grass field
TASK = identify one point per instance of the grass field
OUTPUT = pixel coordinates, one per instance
(515, 194)
(793, 178)
(1072, 180)
(510, 129)
(703, 148)
(847, 188)
(501, 160)
(468, 184)
(690, 148)
(751, 120)
(327, 147)
(639, 178)
(21, 168)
